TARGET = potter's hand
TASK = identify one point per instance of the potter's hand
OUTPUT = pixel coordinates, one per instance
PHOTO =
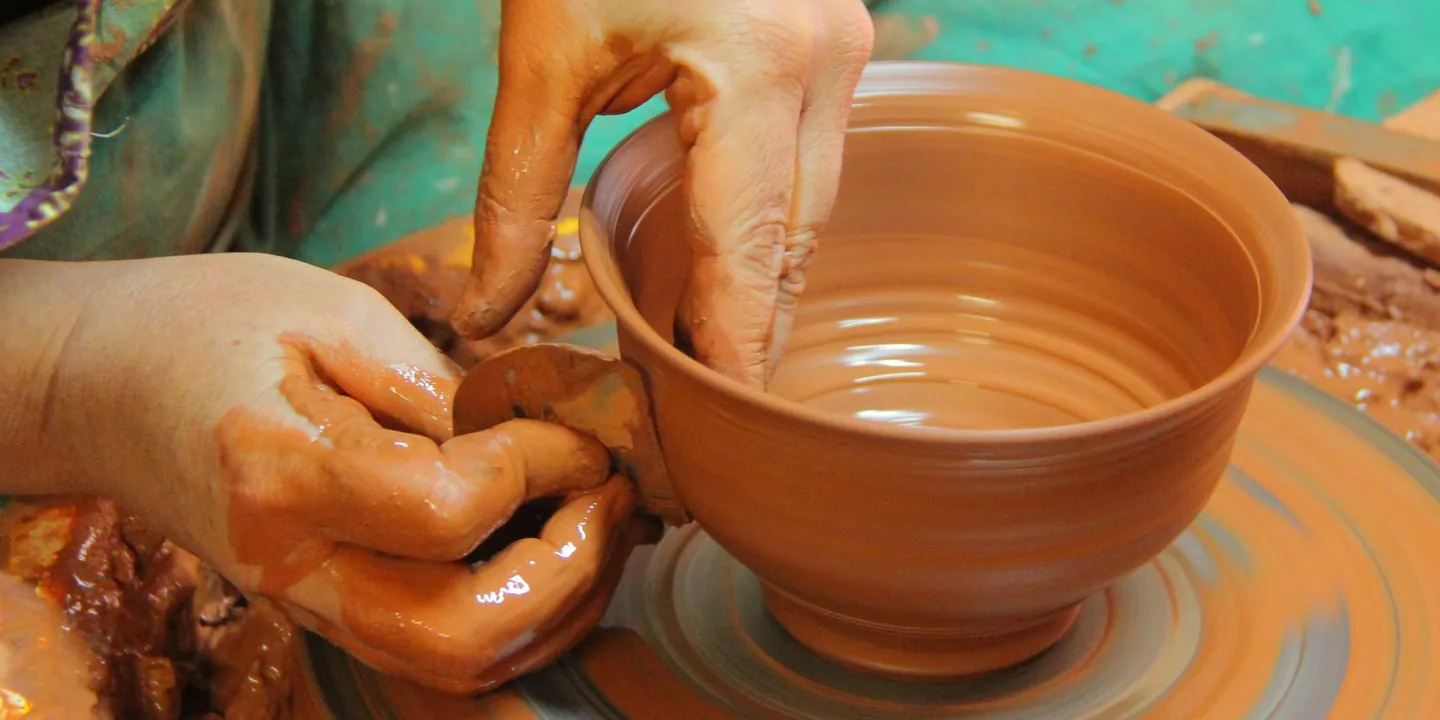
(292, 429)
(762, 90)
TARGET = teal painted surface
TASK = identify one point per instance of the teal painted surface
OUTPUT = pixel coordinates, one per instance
(374, 112)
(1364, 58)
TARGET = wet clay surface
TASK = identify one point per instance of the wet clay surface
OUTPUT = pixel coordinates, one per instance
(580, 388)
(383, 572)
(131, 598)
(1297, 595)
(1372, 334)
(1368, 338)
(1011, 335)
(170, 638)
(44, 668)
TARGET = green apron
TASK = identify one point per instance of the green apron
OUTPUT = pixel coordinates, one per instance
(321, 129)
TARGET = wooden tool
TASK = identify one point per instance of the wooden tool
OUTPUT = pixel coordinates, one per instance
(1297, 147)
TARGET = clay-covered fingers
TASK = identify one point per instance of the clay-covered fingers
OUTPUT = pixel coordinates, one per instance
(740, 173)
(766, 131)
(450, 626)
(407, 497)
(825, 111)
(386, 365)
(569, 630)
(530, 154)
(400, 492)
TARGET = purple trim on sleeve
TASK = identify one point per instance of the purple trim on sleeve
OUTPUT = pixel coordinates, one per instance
(75, 109)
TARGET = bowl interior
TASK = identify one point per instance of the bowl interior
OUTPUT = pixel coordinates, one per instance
(997, 259)
(985, 279)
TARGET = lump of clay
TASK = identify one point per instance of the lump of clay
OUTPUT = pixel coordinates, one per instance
(166, 639)
(1372, 332)
(123, 589)
(44, 668)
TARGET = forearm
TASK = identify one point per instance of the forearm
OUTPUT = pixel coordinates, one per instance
(40, 303)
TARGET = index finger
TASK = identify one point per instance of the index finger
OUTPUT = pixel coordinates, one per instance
(530, 155)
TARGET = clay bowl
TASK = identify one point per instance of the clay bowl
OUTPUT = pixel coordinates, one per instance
(1016, 375)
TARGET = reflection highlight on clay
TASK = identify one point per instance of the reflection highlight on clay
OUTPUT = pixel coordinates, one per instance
(894, 417)
(864, 322)
(514, 587)
(13, 704)
(882, 354)
(885, 377)
(995, 120)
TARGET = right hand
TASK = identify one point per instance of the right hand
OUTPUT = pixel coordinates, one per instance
(761, 90)
(290, 428)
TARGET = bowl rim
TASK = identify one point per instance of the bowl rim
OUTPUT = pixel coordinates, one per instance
(1253, 357)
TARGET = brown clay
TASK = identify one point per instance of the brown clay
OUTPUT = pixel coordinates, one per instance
(388, 589)
(1394, 210)
(1372, 333)
(1357, 274)
(1070, 290)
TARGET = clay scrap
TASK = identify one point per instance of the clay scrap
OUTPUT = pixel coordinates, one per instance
(1395, 211)
(168, 639)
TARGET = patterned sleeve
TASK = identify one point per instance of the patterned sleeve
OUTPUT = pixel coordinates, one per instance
(55, 65)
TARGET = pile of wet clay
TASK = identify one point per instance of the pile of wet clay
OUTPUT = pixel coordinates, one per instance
(162, 636)
(1371, 334)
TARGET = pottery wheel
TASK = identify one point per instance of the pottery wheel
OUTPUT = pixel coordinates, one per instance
(1305, 590)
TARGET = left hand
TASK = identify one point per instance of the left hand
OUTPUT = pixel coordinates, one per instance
(290, 428)
(762, 90)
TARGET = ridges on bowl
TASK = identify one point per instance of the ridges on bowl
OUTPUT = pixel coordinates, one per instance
(1074, 292)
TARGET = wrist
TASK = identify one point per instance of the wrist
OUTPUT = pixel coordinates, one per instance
(40, 306)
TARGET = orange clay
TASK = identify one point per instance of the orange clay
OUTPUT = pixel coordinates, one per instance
(357, 527)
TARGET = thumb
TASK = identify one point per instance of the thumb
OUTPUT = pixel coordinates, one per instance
(529, 159)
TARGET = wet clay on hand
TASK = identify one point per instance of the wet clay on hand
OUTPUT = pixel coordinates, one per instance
(298, 438)
(590, 391)
(44, 667)
(1016, 374)
(363, 572)
(761, 91)
(1372, 333)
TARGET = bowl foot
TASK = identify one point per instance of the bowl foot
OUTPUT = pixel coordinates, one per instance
(919, 656)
